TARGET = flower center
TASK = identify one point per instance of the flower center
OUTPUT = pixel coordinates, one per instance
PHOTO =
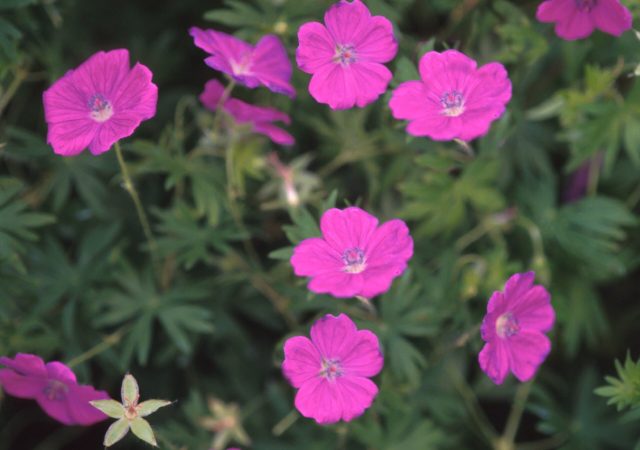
(55, 390)
(345, 54)
(507, 325)
(100, 108)
(241, 66)
(331, 369)
(354, 260)
(586, 5)
(452, 103)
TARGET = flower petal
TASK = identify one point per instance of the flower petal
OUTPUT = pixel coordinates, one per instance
(118, 127)
(347, 22)
(356, 395)
(334, 337)
(494, 360)
(533, 309)
(25, 364)
(612, 17)
(102, 73)
(377, 44)
(338, 284)
(554, 10)
(21, 386)
(316, 47)
(223, 47)
(271, 65)
(348, 228)
(58, 371)
(528, 349)
(314, 256)
(81, 411)
(409, 101)
(136, 94)
(318, 399)
(301, 360)
(364, 359)
(331, 85)
(276, 134)
(575, 25)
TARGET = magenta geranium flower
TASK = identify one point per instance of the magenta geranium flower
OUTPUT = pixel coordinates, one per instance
(454, 99)
(332, 369)
(260, 118)
(346, 54)
(99, 103)
(53, 386)
(576, 19)
(354, 257)
(265, 64)
(514, 328)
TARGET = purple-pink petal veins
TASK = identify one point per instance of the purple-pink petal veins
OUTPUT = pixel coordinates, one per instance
(260, 118)
(454, 99)
(577, 19)
(514, 328)
(332, 369)
(354, 257)
(266, 63)
(98, 103)
(53, 386)
(346, 55)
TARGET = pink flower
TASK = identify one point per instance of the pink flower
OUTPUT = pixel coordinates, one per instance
(332, 369)
(454, 99)
(576, 19)
(514, 328)
(354, 257)
(265, 64)
(260, 118)
(346, 56)
(99, 103)
(53, 386)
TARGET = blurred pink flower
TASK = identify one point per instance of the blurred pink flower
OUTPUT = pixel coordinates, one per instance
(576, 19)
(265, 64)
(53, 386)
(259, 117)
(354, 257)
(99, 103)
(346, 56)
(514, 328)
(332, 369)
(454, 99)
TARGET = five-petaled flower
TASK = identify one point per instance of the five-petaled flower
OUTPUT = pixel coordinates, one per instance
(53, 385)
(345, 55)
(354, 257)
(265, 64)
(99, 103)
(576, 19)
(514, 328)
(129, 413)
(454, 99)
(332, 369)
(260, 118)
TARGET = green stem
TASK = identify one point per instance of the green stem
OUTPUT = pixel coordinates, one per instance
(217, 120)
(106, 343)
(513, 422)
(472, 405)
(142, 216)
(285, 423)
(19, 77)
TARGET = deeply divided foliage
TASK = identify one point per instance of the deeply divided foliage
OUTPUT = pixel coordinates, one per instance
(237, 184)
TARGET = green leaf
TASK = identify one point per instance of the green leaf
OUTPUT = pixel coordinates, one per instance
(116, 431)
(110, 407)
(623, 391)
(150, 406)
(143, 430)
(130, 391)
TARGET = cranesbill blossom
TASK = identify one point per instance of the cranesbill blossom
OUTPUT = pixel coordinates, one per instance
(53, 386)
(332, 369)
(345, 55)
(576, 19)
(99, 103)
(265, 64)
(514, 328)
(354, 257)
(260, 118)
(454, 99)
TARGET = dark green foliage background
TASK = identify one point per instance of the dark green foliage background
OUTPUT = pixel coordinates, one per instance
(211, 322)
